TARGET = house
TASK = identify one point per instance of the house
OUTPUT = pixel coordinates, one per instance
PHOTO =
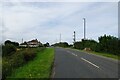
(32, 43)
(23, 44)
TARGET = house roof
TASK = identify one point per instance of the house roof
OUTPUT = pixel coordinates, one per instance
(35, 40)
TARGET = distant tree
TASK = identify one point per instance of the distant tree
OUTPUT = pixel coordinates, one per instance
(86, 44)
(61, 44)
(7, 42)
(10, 42)
(8, 49)
(47, 44)
(78, 45)
(15, 43)
(70, 45)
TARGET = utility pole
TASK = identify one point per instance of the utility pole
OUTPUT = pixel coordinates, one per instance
(84, 25)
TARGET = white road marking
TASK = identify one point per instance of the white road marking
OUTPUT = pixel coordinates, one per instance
(90, 62)
(72, 53)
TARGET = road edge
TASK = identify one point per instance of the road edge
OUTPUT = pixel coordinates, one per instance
(108, 58)
(53, 68)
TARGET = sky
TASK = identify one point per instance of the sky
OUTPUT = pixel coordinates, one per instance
(45, 21)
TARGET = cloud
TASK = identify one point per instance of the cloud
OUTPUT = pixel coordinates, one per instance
(46, 20)
(61, 0)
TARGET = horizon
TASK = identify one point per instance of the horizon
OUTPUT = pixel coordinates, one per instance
(56, 42)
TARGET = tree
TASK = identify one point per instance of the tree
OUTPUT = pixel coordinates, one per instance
(7, 42)
(86, 44)
(108, 44)
(77, 45)
(10, 42)
(47, 44)
(61, 44)
(8, 49)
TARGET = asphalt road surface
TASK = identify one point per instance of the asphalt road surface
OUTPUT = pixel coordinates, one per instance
(75, 64)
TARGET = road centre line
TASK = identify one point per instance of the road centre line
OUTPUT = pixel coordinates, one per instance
(90, 62)
(68, 51)
(72, 53)
(85, 60)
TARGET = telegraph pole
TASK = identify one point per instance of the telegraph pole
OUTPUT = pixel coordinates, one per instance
(84, 25)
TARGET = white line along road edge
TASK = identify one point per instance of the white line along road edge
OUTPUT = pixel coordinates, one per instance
(90, 62)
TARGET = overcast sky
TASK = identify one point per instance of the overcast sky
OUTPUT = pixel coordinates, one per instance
(47, 20)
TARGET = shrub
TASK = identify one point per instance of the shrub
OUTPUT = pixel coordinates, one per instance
(11, 62)
(86, 44)
(8, 49)
(29, 54)
(17, 59)
(77, 45)
(61, 44)
(6, 67)
(109, 44)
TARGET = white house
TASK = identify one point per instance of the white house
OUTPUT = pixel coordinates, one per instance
(32, 43)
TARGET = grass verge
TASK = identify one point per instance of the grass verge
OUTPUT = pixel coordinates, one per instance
(40, 67)
(103, 54)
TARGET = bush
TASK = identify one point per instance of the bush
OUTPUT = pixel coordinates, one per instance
(77, 45)
(29, 54)
(17, 59)
(61, 44)
(109, 44)
(8, 50)
(11, 62)
(0, 50)
(6, 68)
(86, 44)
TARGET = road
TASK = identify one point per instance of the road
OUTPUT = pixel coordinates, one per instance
(75, 64)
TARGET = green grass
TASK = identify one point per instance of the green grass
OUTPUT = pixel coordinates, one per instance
(40, 67)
